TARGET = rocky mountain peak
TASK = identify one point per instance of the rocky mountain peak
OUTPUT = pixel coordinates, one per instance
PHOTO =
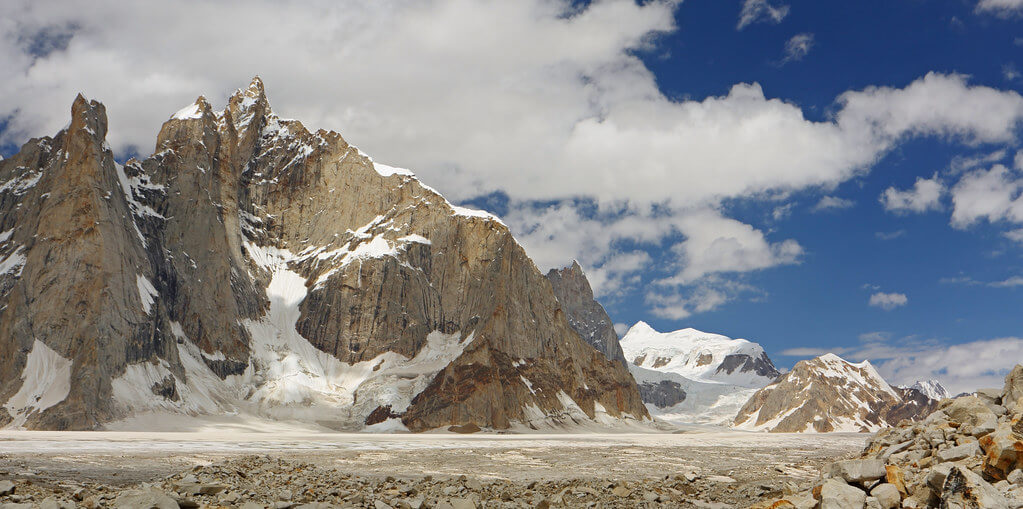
(88, 116)
(247, 108)
(585, 314)
(828, 393)
(932, 389)
(254, 267)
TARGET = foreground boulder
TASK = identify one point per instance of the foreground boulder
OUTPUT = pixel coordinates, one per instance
(966, 454)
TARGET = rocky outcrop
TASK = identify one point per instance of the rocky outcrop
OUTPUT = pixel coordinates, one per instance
(830, 394)
(662, 393)
(252, 265)
(964, 454)
(584, 313)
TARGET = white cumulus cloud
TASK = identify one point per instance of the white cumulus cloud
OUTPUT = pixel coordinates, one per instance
(542, 100)
(925, 195)
(992, 194)
(888, 301)
(716, 244)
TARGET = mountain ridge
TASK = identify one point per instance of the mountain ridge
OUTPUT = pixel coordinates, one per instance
(828, 393)
(252, 265)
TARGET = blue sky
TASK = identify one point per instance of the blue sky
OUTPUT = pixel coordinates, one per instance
(822, 302)
(714, 164)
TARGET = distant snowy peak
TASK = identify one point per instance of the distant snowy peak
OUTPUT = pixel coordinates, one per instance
(827, 394)
(699, 356)
(932, 389)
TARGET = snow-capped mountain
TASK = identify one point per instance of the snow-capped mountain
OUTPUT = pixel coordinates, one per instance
(699, 356)
(252, 266)
(827, 394)
(689, 376)
(932, 389)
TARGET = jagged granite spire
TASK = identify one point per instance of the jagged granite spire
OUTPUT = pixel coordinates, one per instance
(252, 266)
(584, 313)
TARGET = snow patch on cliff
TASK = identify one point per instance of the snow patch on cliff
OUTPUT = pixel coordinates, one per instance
(188, 112)
(46, 381)
(147, 292)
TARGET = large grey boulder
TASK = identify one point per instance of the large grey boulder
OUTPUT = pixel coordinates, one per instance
(887, 495)
(968, 410)
(836, 494)
(857, 470)
(145, 498)
(965, 489)
(959, 452)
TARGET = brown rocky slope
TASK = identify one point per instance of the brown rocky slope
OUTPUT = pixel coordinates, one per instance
(828, 393)
(251, 265)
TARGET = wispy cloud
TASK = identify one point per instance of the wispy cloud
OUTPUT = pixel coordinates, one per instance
(1015, 235)
(798, 47)
(890, 235)
(829, 203)
(875, 337)
(960, 164)
(812, 352)
(761, 11)
(1001, 8)
(1010, 73)
(782, 211)
(1010, 282)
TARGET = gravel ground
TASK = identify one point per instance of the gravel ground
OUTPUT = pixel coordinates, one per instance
(692, 469)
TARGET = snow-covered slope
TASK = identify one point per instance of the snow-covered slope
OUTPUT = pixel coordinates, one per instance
(932, 389)
(676, 399)
(699, 356)
(826, 394)
(694, 377)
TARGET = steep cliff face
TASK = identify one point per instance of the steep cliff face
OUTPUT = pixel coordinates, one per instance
(584, 313)
(71, 309)
(252, 265)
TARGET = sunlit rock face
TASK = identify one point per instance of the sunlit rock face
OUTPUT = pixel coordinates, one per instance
(250, 265)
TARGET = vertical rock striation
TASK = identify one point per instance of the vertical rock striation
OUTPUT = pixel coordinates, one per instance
(251, 265)
(584, 313)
